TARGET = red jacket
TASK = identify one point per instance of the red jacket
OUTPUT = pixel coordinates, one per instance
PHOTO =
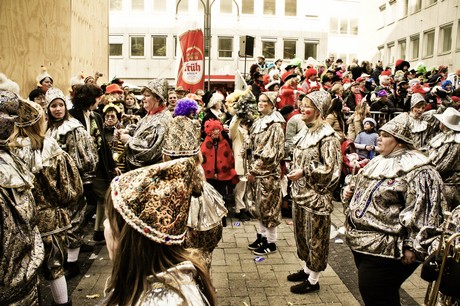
(218, 164)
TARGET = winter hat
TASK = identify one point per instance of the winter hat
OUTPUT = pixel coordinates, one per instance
(271, 95)
(159, 87)
(52, 94)
(321, 99)
(211, 125)
(450, 118)
(385, 73)
(413, 82)
(371, 121)
(288, 75)
(9, 104)
(310, 72)
(419, 88)
(43, 75)
(400, 64)
(296, 62)
(399, 128)
(8, 85)
(113, 88)
(77, 80)
(155, 200)
(416, 99)
(274, 74)
(382, 93)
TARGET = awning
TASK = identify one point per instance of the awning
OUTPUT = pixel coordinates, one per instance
(220, 78)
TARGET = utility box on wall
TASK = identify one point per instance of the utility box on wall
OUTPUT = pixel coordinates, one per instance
(67, 37)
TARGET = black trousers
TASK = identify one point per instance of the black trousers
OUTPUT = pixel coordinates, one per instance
(381, 278)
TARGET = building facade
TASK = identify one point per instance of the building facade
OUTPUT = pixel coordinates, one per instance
(143, 34)
(425, 31)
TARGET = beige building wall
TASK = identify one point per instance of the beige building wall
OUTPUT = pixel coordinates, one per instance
(66, 36)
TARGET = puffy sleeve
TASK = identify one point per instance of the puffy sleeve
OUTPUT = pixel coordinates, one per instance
(83, 151)
(425, 202)
(325, 174)
(144, 148)
(63, 181)
(445, 158)
(269, 152)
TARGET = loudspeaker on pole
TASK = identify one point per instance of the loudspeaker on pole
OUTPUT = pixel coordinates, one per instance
(246, 46)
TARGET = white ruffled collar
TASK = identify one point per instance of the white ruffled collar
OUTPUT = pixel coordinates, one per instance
(442, 138)
(306, 138)
(66, 127)
(263, 122)
(394, 164)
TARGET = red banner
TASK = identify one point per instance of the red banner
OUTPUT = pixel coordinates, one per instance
(191, 69)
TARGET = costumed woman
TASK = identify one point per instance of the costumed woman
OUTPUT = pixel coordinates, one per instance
(147, 211)
(207, 207)
(73, 138)
(144, 141)
(21, 258)
(264, 172)
(391, 200)
(444, 153)
(57, 185)
(317, 164)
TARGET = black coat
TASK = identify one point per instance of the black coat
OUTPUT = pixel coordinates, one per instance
(106, 163)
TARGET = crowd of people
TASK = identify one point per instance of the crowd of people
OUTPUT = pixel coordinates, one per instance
(161, 171)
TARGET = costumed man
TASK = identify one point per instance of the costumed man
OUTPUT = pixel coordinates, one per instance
(317, 164)
(311, 82)
(266, 153)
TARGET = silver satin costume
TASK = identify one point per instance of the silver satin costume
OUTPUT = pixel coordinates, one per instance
(144, 147)
(445, 155)
(396, 197)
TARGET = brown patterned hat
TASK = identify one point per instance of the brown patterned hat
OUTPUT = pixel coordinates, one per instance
(399, 128)
(183, 138)
(28, 113)
(159, 87)
(155, 200)
(9, 103)
(321, 99)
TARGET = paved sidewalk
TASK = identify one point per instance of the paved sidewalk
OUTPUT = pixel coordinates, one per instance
(241, 280)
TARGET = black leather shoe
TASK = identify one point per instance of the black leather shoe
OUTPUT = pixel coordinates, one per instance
(305, 287)
(298, 276)
(98, 236)
(71, 269)
(242, 216)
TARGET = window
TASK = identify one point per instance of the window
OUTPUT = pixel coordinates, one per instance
(391, 53)
(159, 45)
(269, 7)
(116, 45)
(428, 43)
(334, 25)
(137, 45)
(405, 8)
(445, 40)
(343, 26)
(311, 49)
(247, 7)
(159, 6)
(225, 47)
(415, 47)
(137, 5)
(402, 49)
(183, 6)
(290, 8)
(116, 5)
(289, 49)
(415, 6)
(268, 48)
(225, 6)
(354, 26)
